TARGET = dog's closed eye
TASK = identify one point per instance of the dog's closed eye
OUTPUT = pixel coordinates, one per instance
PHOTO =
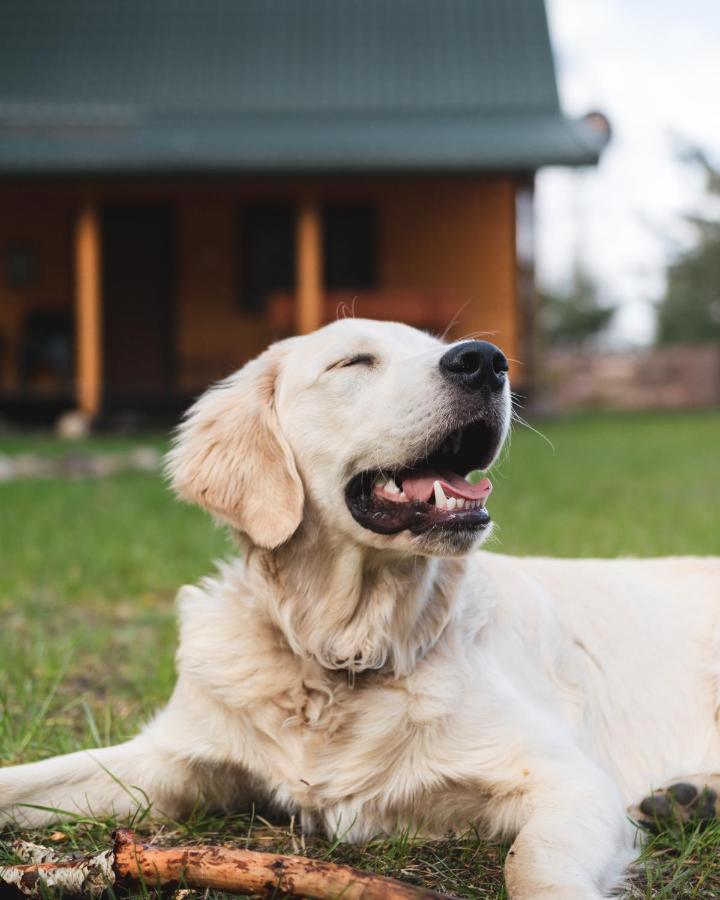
(360, 359)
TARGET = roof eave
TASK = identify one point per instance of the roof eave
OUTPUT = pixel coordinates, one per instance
(466, 144)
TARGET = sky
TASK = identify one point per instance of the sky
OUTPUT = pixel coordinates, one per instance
(653, 67)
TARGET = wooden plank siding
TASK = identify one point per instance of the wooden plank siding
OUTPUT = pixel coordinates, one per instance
(453, 239)
(442, 237)
(44, 226)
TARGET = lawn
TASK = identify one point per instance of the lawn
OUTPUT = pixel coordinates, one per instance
(88, 571)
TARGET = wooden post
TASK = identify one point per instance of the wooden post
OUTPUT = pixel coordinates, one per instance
(309, 302)
(88, 310)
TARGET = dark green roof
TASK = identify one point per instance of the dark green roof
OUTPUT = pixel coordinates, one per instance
(281, 85)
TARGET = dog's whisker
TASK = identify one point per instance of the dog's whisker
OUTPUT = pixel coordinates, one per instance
(525, 424)
(471, 335)
(455, 319)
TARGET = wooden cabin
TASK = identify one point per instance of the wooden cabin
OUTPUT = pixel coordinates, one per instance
(182, 183)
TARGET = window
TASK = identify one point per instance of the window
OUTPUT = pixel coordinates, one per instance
(266, 254)
(349, 247)
(266, 251)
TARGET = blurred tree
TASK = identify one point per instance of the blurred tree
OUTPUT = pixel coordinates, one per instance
(576, 316)
(690, 309)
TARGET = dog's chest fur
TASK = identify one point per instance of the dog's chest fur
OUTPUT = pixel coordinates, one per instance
(353, 753)
(351, 745)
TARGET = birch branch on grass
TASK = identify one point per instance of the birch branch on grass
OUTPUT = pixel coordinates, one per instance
(244, 872)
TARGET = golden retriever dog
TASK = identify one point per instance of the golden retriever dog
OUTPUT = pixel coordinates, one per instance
(365, 665)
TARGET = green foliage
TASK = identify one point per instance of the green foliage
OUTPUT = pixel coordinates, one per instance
(575, 316)
(689, 311)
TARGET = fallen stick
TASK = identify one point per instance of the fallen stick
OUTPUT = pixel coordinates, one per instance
(244, 872)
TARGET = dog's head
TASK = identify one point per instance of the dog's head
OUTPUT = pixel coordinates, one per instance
(372, 426)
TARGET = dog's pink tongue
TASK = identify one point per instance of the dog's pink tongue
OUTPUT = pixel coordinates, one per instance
(419, 486)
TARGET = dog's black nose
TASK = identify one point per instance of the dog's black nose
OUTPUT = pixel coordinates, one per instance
(474, 365)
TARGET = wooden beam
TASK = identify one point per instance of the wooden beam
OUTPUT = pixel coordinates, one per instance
(88, 310)
(309, 265)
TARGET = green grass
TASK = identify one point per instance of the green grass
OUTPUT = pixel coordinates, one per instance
(612, 485)
(89, 569)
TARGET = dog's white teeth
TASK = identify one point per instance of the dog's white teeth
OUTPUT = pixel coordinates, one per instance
(440, 498)
(402, 495)
(451, 502)
(460, 502)
(391, 487)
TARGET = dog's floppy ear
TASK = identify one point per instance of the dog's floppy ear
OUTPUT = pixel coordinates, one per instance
(230, 456)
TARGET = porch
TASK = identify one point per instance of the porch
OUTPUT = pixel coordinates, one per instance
(125, 296)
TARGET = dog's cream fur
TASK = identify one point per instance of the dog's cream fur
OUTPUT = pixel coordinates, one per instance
(373, 682)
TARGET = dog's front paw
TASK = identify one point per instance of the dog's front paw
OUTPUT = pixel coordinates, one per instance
(691, 802)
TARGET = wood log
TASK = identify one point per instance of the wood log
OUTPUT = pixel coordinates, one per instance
(249, 872)
(244, 872)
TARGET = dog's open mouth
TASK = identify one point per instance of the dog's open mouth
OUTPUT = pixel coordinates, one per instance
(432, 492)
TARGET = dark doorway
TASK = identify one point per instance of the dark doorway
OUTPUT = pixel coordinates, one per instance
(138, 287)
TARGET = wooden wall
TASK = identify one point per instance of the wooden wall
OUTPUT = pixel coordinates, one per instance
(46, 228)
(454, 237)
(214, 337)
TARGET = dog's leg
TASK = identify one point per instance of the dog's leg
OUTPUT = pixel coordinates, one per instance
(576, 841)
(693, 800)
(114, 781)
